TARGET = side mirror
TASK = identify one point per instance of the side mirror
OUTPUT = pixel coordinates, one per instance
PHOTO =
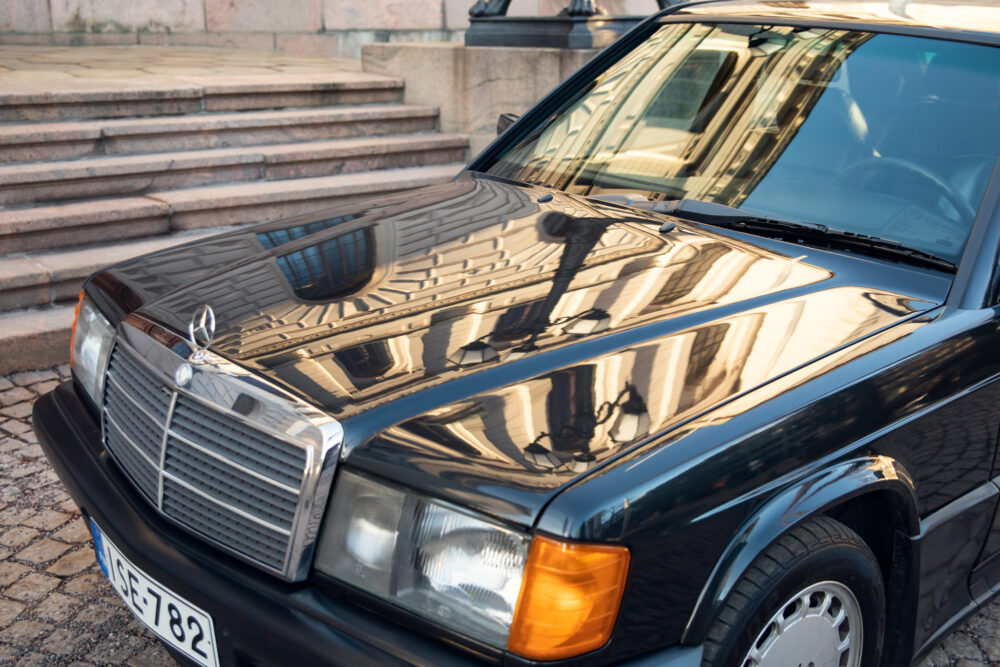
(504, 121)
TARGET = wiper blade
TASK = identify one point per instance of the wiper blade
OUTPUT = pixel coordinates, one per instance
(810, 233)
(888, 248)
(729, 216)
(705, 211)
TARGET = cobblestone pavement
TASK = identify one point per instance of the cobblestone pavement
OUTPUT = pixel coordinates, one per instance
(56, 608)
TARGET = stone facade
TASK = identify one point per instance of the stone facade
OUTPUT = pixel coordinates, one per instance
(472, 86)
(303, 27)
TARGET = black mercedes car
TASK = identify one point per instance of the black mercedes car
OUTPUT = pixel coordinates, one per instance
(696, 364)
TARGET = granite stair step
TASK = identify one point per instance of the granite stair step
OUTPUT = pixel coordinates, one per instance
(39, 182)
(199, 208)
(43, 285)
(41, 278)
(171, 97)
(35, 338)
(113, 219)
(30, 142)
(81, 223)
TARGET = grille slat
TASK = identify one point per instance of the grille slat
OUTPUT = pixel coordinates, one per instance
(139, 383)
(240, 470)
(241, 491)
(145, 476)
(244, 469)
(146, 434)
(226, 527)
(282, 462)
(130, 404)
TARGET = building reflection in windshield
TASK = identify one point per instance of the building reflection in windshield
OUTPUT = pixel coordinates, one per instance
(700, 111)
(887, 135)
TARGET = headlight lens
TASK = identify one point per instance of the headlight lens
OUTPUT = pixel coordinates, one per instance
(92, 338)
(457, 569)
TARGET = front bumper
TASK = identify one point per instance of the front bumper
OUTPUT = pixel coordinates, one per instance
(258, 619)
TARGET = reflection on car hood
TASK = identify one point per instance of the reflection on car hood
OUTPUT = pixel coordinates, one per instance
(490, 348)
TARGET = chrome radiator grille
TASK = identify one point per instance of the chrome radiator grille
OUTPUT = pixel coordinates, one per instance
(207, 471)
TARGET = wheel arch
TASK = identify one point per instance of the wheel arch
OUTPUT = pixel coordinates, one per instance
(847, 491)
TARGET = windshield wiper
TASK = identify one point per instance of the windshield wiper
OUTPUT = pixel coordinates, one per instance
(727, 216)
(707, 212)
(809, 233)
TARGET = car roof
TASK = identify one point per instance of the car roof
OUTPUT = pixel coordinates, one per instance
(975, 20)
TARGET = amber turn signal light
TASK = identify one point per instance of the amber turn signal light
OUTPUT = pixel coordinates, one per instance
(72, 333)
(569, 599)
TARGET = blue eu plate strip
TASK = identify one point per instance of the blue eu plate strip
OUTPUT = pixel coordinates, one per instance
(99, 547)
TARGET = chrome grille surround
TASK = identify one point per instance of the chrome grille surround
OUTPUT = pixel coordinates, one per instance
(227, 455)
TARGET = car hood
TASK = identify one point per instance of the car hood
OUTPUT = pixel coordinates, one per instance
(489, 342)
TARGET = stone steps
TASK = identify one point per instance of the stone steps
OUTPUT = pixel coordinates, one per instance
(38, 278)
(34, 338)
(31, 142)
(80, 223)
(170, 97)
(92, 174)
(38, 182)
(199, 208)
(38, 289)
(43, 278)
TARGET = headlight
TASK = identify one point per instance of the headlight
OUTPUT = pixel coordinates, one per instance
(89, 350)
(459, 570)
(554, 600)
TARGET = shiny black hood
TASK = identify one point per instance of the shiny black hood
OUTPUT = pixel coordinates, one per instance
(489, 346)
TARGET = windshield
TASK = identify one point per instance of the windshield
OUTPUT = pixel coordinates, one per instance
(886, 135)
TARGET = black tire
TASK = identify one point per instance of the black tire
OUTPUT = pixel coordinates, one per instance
(819, 550)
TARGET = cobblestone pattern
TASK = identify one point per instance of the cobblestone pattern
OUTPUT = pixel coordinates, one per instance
(56, 608)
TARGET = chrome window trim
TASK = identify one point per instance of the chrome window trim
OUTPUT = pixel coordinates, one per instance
(318, 435)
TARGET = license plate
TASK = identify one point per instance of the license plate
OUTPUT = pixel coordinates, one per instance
(173, 619)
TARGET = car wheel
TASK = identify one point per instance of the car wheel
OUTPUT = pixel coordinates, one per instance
(814, 598)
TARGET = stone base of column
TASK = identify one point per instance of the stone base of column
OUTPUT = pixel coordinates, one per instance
(473, 85)
(555, 32)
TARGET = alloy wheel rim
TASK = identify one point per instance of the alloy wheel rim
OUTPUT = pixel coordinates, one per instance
(820, 626)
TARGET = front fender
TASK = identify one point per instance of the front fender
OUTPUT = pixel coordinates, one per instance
(808, 497)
